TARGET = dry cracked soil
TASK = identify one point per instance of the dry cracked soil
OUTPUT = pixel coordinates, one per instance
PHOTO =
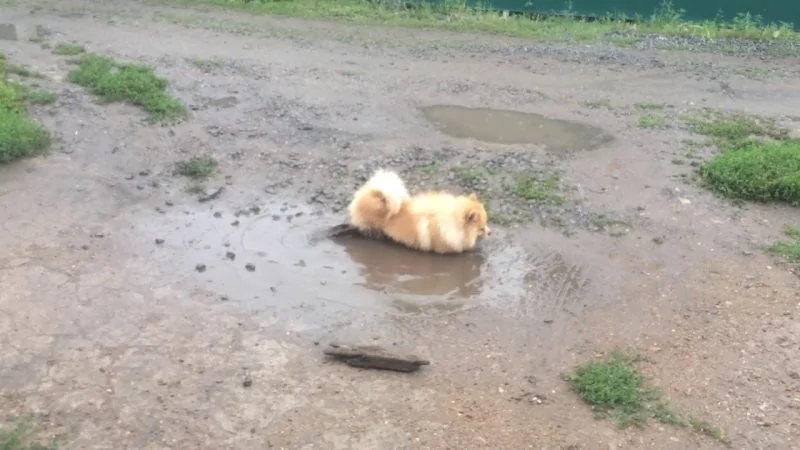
(134, 316)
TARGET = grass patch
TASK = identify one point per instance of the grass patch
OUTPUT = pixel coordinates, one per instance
(20, 71)
(136, 84)
(789, 250)
(598, 104)
(68, 49)
(545, 189)
(39, 97)
(207, 64)
(20, 136)
(459, 15)
(20, 437)
(197, 167)
(732, 129)
(652, 122)
(649, 106)
(757, 171)
(616, 389)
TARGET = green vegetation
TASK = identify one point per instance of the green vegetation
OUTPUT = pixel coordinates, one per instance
(197, 167)
(20, 437)
(731, 130)
(20, 136)
(652, 122)
(758, 171)
(68, 49)
(20, 71)
(207, 64)
(457, 15)
(124, 82)
(39, 97)
(545, 189)
(649, 106)
(615, 388)
(789, 250)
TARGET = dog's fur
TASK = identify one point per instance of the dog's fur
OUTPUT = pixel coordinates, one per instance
(429, 221)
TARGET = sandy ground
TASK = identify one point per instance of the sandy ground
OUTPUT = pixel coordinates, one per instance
(122, 343)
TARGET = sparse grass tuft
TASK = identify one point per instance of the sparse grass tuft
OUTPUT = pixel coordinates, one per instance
(790, 249)
(731, 130)
(207, 64)
(652, 122)
(20, 136)
(196, 188)
(68, 49)
(603, 103)
(40, 97)
(20, 71)
(615, 388)
(197, 167)
(123, 82)
(756, 170)
(20, 437)
(539, 189)
(649, 106)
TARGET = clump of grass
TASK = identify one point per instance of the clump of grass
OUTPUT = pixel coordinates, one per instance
(207, 64)
(20, 136)
(68, 49)
(652, 122)
(123, 82)
(649, 106)
(40, 97)
(20, 71)
(760, 171)
(603, 103)
(20, 437)
(197, 167)
(545, 189)
(731, 131)
(616, 389)
(790, 249)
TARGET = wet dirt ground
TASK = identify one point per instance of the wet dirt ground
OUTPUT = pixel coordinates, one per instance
(134, 316)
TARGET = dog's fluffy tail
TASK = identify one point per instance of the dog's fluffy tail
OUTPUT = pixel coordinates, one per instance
(380, 198)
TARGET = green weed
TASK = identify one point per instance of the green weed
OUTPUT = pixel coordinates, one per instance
(20, 136)
(789, 250)
(652, 122)
(197, 167)
(545, 189)
(40, 97)
(137, 84)
(615, 388)
(20, 437)
(756, 170)
(649, 106)
(68, 49)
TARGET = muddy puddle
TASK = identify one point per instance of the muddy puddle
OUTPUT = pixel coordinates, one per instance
(274, 257)
(514, 127)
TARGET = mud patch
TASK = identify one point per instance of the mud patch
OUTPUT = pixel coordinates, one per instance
(272, 257)
(514, 127)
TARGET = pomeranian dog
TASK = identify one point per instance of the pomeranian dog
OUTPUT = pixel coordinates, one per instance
(430, 221)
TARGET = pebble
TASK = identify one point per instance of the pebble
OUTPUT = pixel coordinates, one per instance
(250, 267)
(200, 267)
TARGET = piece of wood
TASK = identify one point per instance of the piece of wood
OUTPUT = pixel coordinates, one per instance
(374, 357)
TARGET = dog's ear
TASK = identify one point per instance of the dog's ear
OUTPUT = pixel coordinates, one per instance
(472, 216)
(473, 197)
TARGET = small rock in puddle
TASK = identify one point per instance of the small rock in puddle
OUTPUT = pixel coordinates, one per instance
(235, 223)
(159, 241)
(217, 214)
(200, 267)
(250, 267)
(230, 255)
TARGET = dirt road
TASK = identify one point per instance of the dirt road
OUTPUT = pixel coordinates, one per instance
(124, 343)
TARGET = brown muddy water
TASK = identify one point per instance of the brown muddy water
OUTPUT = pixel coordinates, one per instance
(272, 257)
(514, 127)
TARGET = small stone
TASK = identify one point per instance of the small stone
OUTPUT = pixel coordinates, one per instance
(159, 241)
(85, 247)
(129, 177)
(250, 267)
(247, 382)
(217, 214)
(144, 173)
(224, 298)
(235, 223)
(273, 289)
(169, 203)
(230, 255)
(200, 267)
